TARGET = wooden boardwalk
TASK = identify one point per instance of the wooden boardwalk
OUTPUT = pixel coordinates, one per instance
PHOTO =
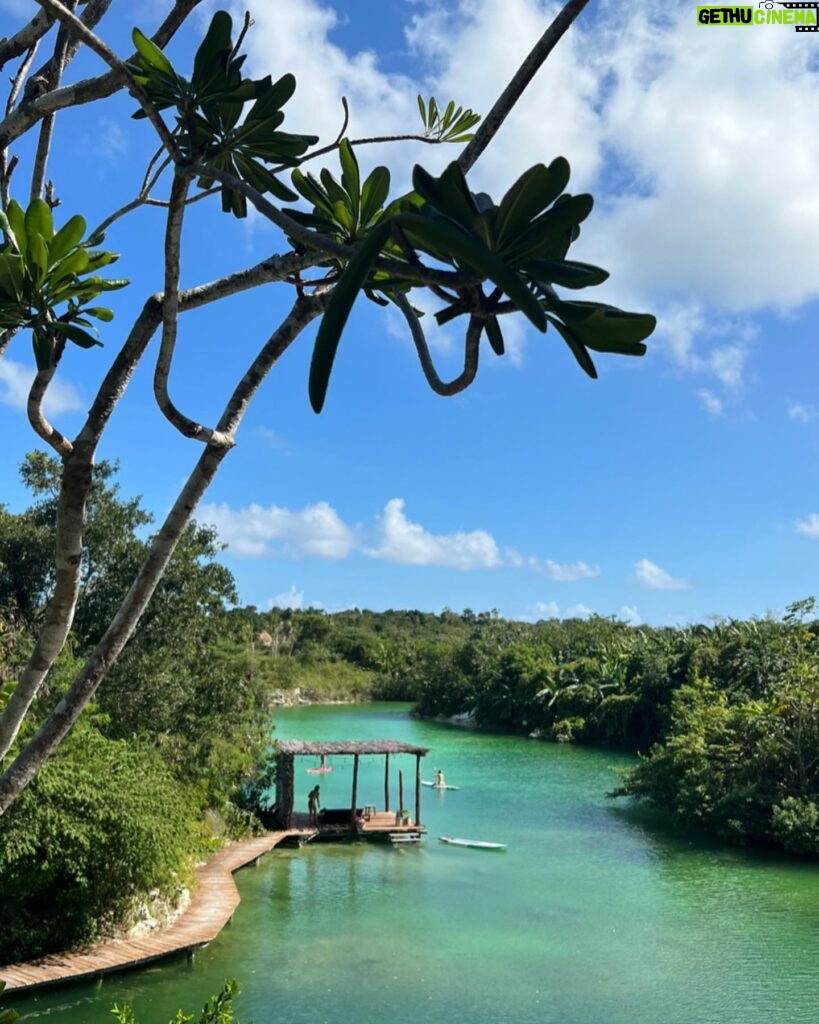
(212, 905)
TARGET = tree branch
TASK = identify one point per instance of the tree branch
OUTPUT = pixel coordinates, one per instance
(27, 38)
(472, 344)
(123, 75)
(488, 128)
(170, 320)
(90, 89)
(34, 409)
(52, 79)
(59, 612)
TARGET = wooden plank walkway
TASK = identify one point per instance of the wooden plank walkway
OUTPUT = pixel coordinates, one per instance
(212, 905)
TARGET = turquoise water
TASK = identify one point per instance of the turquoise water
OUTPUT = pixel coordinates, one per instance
(596, 912)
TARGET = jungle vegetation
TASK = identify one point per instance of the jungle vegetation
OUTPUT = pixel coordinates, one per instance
(169, 761)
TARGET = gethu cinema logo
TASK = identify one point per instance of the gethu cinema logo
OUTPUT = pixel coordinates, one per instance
(803, 16)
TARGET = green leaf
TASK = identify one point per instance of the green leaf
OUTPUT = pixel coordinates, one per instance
(100, 313)
(36, 258)
(448, 238)
(525, 199)
(374, 194)
(309, 188)
(210, 62)
(448, 194)
(605, 328)
(69, 236)
(575, 346)
(272, 99)
(17, 220)
(335, 192)
(350, 177)
(151, 54)
(567, 273)
(422, 107)
(78, 335)
(39, 220)
(550, 234)
(6, 228)
(338, 311)
(76, 262)
(494, 335)
(11, 275)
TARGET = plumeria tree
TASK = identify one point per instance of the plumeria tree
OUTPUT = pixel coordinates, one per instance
(219, 139)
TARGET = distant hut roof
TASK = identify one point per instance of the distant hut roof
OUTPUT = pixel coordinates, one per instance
(295, 747)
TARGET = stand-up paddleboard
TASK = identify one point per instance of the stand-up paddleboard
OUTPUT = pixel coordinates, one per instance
(319, 771)
(435, 785)
(478, 844)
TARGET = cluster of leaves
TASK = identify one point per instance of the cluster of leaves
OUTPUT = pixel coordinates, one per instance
(452, 124)
(40, 269)
(210, 126)
(104, 822)
(520, 246)
(6, 1016)
(217, 1010)
(345, 210)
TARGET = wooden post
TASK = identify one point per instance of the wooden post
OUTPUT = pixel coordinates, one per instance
(387, 782)
(400, 791)
(355, 788)
(417, 789)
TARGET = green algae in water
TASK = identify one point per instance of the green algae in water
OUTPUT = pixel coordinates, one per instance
(597, 912)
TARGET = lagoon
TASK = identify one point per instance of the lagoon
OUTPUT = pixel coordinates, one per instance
(597, 912)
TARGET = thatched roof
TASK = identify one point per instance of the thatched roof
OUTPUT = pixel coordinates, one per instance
(295, 747)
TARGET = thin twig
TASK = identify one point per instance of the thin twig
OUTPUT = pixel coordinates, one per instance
(170, 322)
(52, 79)
(357, 142)
(28, 36)
(34, 406)
(514, 90)
(471, 346)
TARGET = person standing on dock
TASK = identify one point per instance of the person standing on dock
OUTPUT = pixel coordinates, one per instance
(313, 805)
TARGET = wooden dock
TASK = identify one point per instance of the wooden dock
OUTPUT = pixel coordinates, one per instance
(212, 905)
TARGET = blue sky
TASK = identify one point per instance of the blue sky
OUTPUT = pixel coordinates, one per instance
(674, 487)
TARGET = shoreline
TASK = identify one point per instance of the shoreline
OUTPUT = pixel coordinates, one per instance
(211, 907)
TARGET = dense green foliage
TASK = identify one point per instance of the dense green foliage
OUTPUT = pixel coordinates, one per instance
(104, 822)
(150, 776)
(217, 1010)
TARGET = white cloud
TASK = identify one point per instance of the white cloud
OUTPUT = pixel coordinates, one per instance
(655, 578)
(809, 527)
(545, 610)
(578, 611)
(408, 543)
(710, 402)
(569, 573)
(252, 532)
(801, 412)
(291, 598)
(15, 383)
(628, 613)
(272, 440)
(711, 133)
